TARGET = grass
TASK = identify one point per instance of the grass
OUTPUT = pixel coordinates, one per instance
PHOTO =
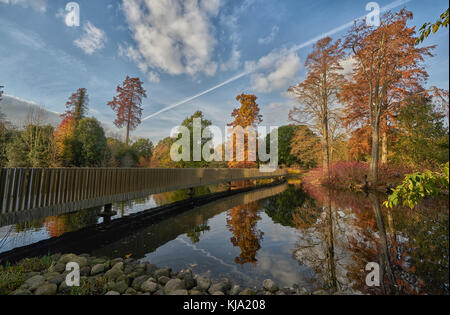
(13, 277)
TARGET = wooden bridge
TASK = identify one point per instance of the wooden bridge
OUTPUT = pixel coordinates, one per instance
(28, 193)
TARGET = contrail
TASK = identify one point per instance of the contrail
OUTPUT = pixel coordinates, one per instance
(293, 49)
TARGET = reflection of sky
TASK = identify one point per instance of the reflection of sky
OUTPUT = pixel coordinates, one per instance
(214, 255)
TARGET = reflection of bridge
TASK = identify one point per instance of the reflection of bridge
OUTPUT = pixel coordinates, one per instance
(145, 231)
(27, 193)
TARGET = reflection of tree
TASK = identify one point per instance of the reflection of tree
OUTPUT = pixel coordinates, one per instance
(242, 222)
(411, 247)
(182, 194)
(58, 225)
(196, 232)
(282, 207)
(317, 245)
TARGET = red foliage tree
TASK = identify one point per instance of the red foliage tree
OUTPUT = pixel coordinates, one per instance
(388, 66)
(128, 105)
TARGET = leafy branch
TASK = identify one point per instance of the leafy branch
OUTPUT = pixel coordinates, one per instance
(417, 186)
(427, 28)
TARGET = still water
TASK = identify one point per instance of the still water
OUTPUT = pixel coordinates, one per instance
(305, 236)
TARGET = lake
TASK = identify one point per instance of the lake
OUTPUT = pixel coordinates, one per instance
(307, 236)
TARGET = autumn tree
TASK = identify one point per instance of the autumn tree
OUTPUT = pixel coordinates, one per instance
(128, 105)
(77, 105)
(387, 65)
(317, 94)
(306, 147)
(246, 116)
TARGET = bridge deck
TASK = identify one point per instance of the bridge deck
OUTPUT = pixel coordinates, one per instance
(26, 191)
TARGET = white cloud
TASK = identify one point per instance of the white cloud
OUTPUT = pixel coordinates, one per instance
(93, 39)
(270, 37)
(234, 62)
(274, 71)
(38, 5)
(173, 36)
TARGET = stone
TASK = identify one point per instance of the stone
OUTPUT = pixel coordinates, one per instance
(222, 286)
(149, 286)
(203, 283)
(98, 261)
(179, 292)
(21, 292)
(64, 288)
(116, 261)
(46, 289)
(131, 291)
(138, 281)
(174, 285)
(99, 268)
(120, 287)
(85, 271)
(186, 275)
(162, 272)
(34, 282)
(55, 278)
(115, 272)
(302, 291)
(195, 292)
(81, 261)
(235, 290)
(150, 269)
(218, 293)
(320, 292)
(112, 293)
(58, 268)
(247, 291)
(270, 285)
(163, 280)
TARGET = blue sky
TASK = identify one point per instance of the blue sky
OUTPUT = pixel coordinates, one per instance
(179, 48)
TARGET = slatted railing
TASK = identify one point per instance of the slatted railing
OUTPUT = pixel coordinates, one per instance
(79, 188)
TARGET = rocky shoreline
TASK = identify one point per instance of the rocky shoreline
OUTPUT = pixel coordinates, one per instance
(103, 276)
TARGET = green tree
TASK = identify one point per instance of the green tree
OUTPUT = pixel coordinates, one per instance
(422, 136)
(32, 147)
(91, 136)
(143, 149)
(189, 124)
(285, 135)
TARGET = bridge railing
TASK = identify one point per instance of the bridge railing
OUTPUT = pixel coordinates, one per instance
(71, 189)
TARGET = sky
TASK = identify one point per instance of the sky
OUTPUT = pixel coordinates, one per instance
(190, 54)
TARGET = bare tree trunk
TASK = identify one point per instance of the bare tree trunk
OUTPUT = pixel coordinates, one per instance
(374, 158)
(384, 148)
(325, 146)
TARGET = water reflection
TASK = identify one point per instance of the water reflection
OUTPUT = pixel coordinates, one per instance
(309, 236)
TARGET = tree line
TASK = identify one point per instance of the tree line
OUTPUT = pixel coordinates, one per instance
(377, 110)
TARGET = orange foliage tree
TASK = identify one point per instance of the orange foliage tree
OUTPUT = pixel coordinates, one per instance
(318, 93)
(242, 221)
(128, 105)
(388, 65)
(247, 115)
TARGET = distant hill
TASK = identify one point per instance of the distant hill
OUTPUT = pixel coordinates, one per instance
(17, 110)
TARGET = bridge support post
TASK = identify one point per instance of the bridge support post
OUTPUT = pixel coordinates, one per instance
(107, 213)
